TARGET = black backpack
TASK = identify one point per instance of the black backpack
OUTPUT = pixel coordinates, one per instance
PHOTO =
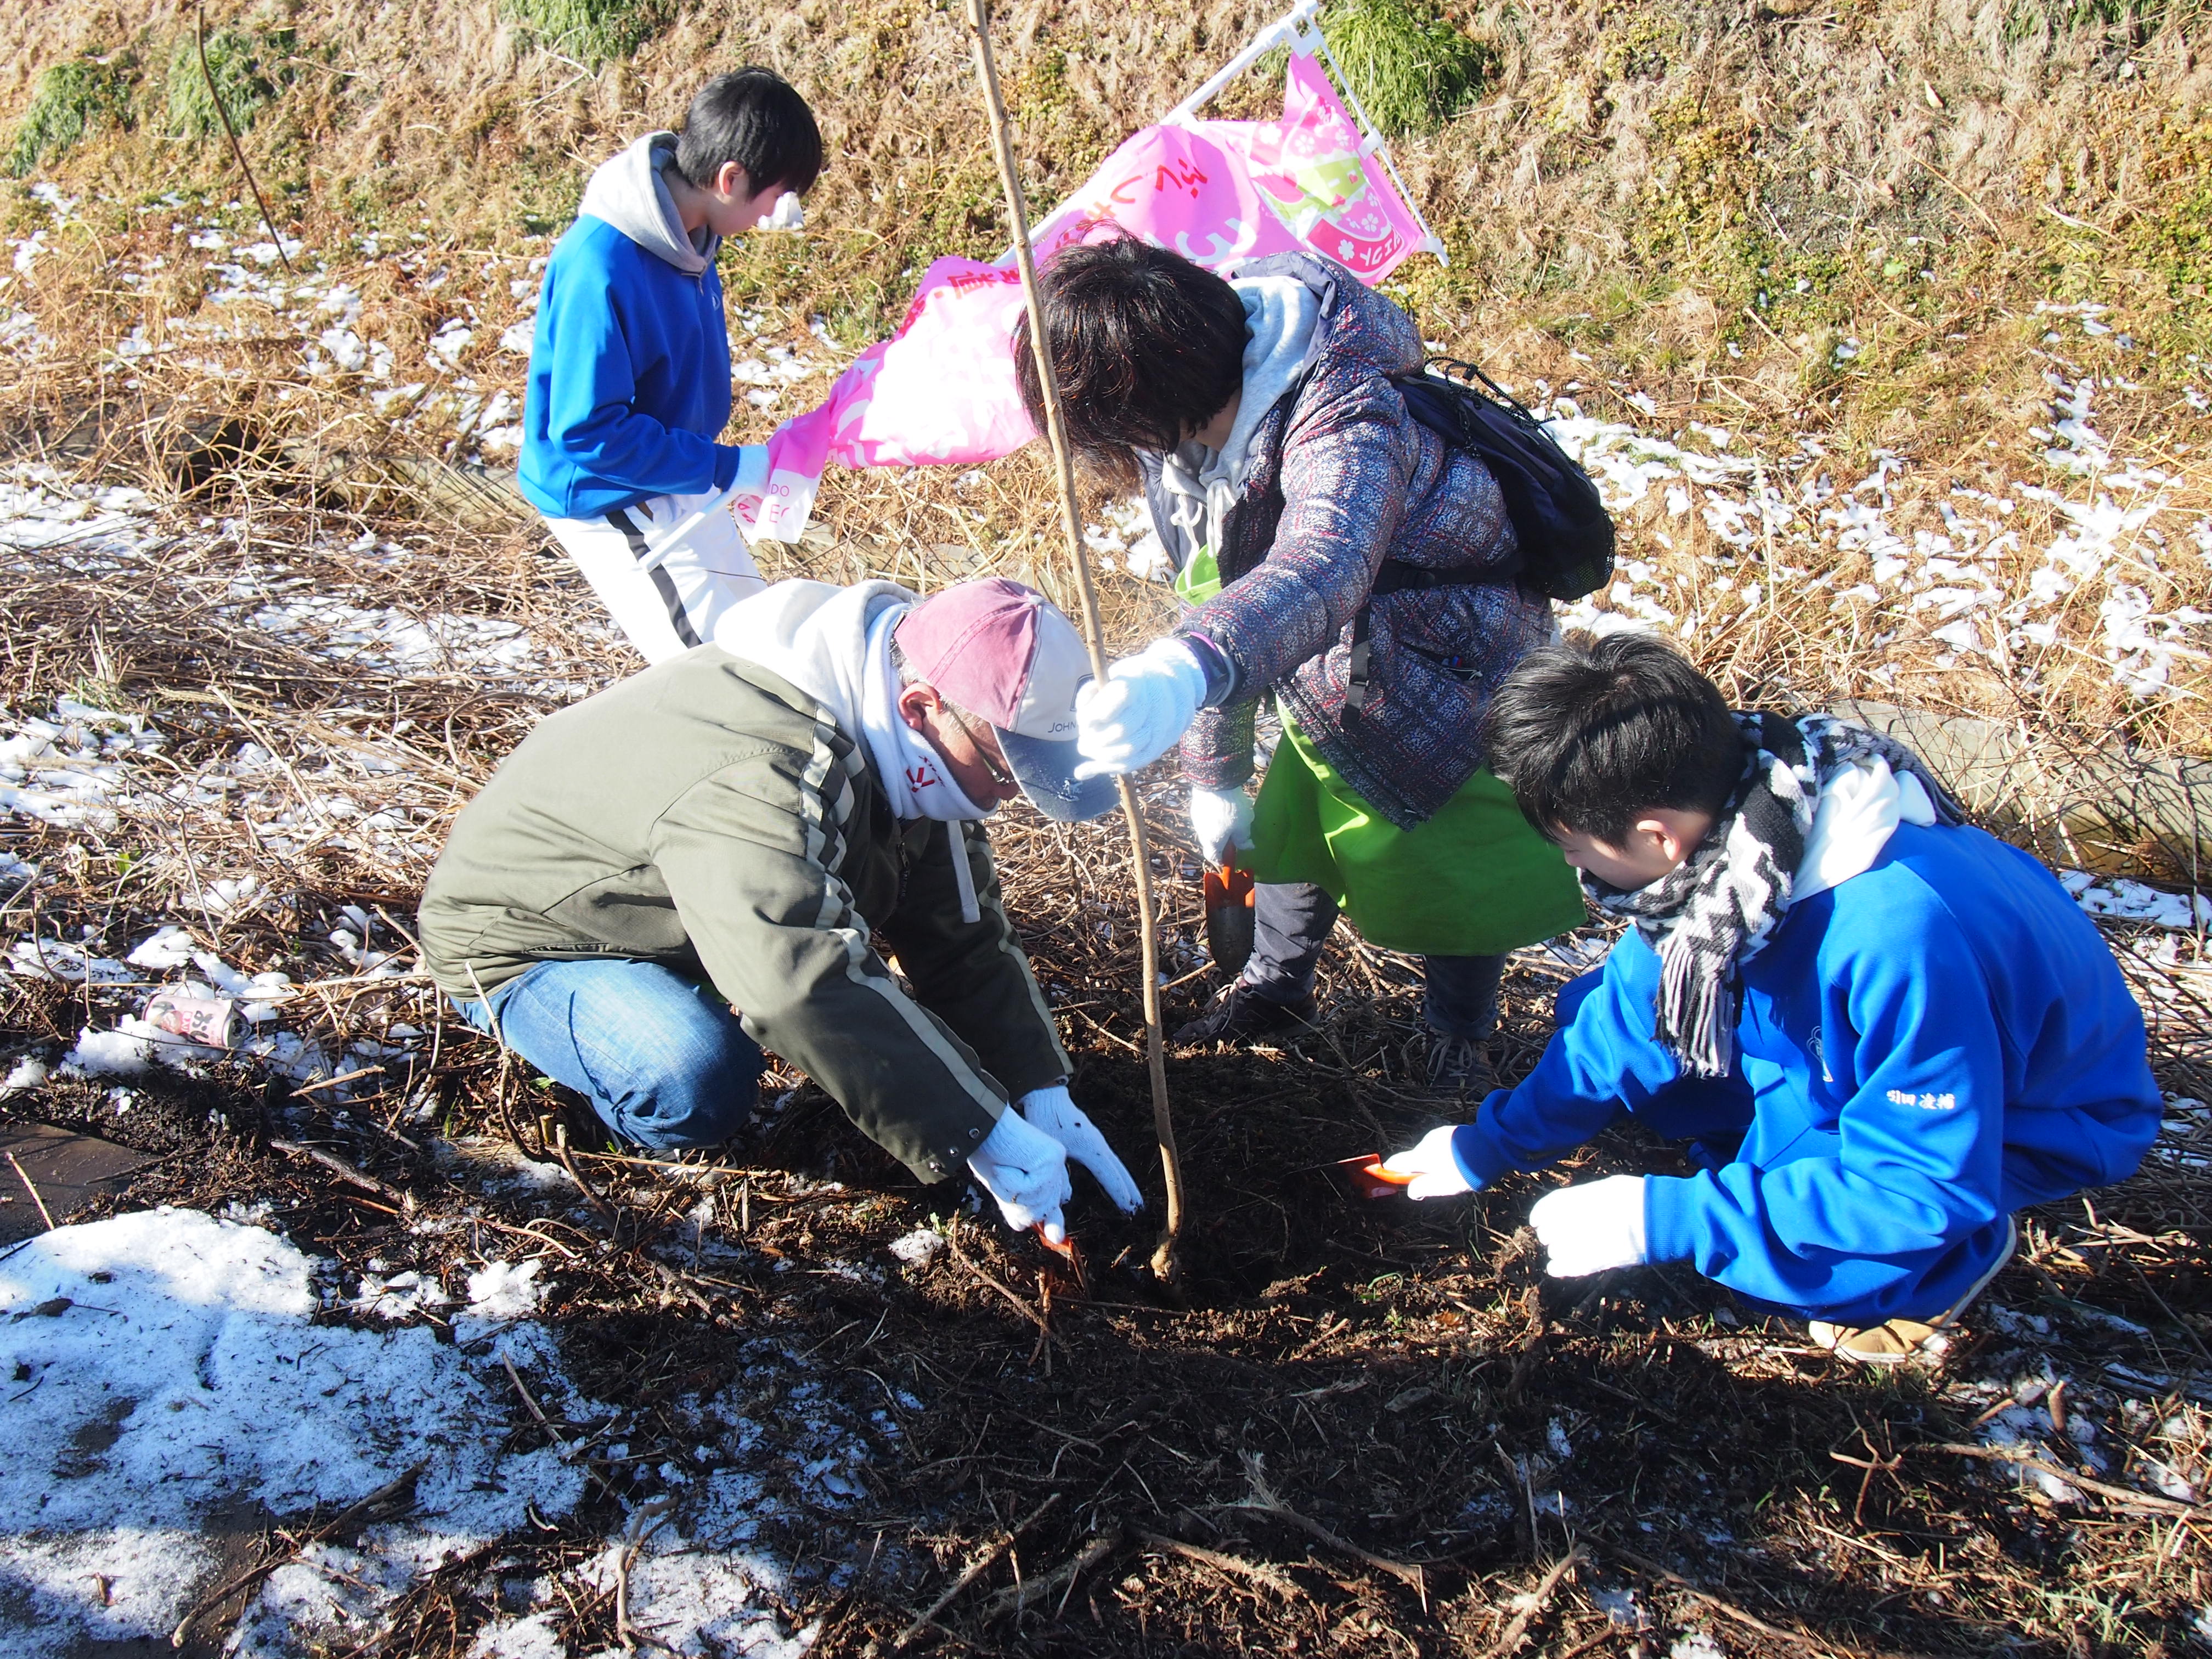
(1565, 532)
(1559, 518)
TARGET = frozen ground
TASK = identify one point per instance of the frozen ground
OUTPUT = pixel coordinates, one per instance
(375, 791)
(173, 1383)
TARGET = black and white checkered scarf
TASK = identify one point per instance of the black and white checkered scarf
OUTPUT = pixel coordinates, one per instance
(1714, 913)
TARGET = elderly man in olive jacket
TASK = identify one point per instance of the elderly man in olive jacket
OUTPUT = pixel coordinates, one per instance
(687, 868)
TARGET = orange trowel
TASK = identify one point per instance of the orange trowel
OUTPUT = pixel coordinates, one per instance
(1368, 1179)
(1228, 917)
(1070, 1257)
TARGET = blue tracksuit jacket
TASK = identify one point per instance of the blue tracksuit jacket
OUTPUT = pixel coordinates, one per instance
(629, 379)
(1922, 1050)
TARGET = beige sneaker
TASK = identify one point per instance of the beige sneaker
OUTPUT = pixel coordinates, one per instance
(1894, 1341)
(1891, 1343)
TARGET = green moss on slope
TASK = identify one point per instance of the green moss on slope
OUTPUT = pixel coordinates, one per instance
(1411, 69)
(591, 31)
(70, 100)
(249, 67)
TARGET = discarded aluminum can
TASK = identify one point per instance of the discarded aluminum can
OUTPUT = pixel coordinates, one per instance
(212, 1022)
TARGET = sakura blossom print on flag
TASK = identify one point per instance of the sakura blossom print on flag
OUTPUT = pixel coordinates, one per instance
(941, 390)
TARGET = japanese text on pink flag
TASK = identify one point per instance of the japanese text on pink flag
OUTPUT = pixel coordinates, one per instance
(941, 390)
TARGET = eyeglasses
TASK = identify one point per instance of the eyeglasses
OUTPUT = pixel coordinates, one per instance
(996, 771)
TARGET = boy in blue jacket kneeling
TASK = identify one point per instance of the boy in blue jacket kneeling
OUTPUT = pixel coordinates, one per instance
(1883, 1031)
(630, 363)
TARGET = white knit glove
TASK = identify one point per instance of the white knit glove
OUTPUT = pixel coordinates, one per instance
(1026, 1171)
(1435, 1172)
(1219, 819)
(1592, 1227)
(1059, 1116)
(1136, 714)
(785, 215)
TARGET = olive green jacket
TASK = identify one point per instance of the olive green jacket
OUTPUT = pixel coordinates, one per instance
(707, 815)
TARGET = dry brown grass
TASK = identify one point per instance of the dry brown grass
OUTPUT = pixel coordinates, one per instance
(1611, 206)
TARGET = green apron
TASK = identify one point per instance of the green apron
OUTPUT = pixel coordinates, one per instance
(1472, 880)
(1198, 581)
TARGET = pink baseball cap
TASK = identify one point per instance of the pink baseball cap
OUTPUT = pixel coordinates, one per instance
(1006, 654)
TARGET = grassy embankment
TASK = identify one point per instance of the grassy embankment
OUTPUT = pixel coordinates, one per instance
(1788, 222)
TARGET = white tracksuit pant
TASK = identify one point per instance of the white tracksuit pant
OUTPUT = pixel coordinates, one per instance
(667, 568)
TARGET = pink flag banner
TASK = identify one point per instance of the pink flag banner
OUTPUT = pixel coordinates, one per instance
(941, 390)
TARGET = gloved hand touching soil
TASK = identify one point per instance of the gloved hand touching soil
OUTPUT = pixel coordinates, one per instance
(1026, 1171)
(1435, 1172)
(1051, 1111)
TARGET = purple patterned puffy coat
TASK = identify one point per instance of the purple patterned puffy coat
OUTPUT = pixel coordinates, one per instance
(1338, 477)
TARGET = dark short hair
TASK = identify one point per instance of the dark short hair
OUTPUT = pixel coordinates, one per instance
(1145, 343)
(1589, 732)
(757, 119)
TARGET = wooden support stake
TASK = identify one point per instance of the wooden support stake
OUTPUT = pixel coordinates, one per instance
(1166, 1260)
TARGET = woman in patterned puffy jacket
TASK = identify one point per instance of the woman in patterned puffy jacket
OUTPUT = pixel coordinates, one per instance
(1307, 514)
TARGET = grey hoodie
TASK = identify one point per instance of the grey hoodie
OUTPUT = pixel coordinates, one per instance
(631, 194)
(1279, 315)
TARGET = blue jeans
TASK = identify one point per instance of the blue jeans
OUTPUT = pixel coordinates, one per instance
(660, 1057)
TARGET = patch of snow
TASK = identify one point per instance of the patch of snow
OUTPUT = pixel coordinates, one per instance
(1620, 1607)
(400, 1296)
(178, 1373)
(2169, 1480)
(919, 1248)
(265, 253)
(2123, 899)
(170, 946)
(395, 640)
(57, 959)
(26, 1073)
(451, 342)
(715, 1601)
(531, 1637)
(124, 1053)
(505, 1289)
(170, 1369)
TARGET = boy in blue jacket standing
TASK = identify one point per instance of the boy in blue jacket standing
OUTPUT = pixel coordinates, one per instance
(1881, 1030)
(629, 368)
